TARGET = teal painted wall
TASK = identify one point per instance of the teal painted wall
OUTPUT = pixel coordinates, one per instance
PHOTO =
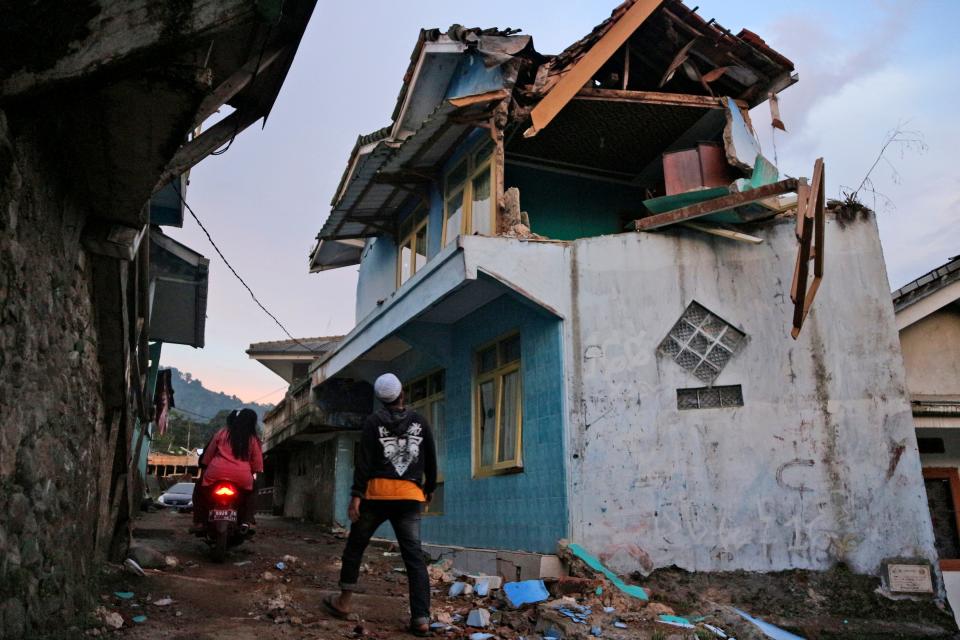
(343, 476)
(524, 511)
(566, 207)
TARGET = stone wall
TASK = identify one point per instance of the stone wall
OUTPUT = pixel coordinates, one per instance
(52, 432)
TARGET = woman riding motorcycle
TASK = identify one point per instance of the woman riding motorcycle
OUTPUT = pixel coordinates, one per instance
(233, 455)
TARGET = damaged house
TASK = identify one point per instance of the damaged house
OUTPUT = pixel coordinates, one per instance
(626, 328)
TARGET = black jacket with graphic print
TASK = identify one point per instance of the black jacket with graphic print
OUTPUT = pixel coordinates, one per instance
(396, 445)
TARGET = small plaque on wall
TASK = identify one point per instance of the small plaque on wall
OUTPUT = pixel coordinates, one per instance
(909, 578)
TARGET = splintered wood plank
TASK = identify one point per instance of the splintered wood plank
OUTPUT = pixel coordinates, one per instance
(654, 97)
(812, 234)
(717, 204)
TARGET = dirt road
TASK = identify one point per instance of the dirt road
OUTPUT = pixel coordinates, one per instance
(247, 596)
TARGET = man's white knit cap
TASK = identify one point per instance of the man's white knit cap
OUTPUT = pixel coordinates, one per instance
(387, 388)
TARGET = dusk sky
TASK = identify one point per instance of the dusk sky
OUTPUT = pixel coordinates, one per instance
(864, 67)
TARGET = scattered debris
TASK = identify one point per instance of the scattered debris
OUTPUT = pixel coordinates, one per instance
(171, 562)
(771, 631)
(111, 619)
(242, 563)
(139, 619)
(493, 582)
(525, 592)
(676, 621)
(659, 609)
(131, 565)
(281, 566)
(479, 618)
(123, 595)
(717, 631)
(279, 602)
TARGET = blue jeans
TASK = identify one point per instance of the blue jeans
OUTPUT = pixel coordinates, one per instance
(404, 517)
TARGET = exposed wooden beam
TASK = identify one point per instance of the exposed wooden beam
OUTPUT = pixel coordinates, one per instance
(717, 204)
(206, 143)
(480, 98)
(235, 84)
(729, 234)
(656, 97)
(581, 73)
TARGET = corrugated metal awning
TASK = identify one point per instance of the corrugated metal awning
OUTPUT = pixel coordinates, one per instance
(333, 254)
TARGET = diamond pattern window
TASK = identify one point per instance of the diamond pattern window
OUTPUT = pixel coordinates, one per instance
(702, 343)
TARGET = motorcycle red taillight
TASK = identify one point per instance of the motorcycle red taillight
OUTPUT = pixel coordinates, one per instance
(224, 491)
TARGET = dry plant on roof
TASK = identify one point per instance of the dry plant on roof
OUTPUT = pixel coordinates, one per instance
(850, 206)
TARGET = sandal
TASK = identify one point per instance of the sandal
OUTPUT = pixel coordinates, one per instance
(336, 611)
(421, 630)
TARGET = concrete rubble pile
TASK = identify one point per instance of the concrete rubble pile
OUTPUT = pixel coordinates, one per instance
(583, 605)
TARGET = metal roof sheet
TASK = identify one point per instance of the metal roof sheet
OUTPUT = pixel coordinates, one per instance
(928, 283)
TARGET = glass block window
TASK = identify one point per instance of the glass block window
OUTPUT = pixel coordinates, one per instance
(710, 397)
(701, 342)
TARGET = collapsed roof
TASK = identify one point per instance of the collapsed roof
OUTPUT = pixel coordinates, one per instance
(649, 78)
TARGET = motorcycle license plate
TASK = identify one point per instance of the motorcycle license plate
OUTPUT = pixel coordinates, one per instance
(223, 515)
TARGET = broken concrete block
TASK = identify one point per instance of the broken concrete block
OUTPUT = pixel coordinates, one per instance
(478, 618)
(493, 582)
(482, 588)
(111, 619)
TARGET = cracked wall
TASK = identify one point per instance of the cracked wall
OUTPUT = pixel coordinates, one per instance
(819, 466)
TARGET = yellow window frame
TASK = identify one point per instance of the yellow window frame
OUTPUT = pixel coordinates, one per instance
(411, 239)
(423, 406)
(497, 374)
(475, 167)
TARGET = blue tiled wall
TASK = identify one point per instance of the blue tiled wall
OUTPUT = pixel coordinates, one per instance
(523, 511)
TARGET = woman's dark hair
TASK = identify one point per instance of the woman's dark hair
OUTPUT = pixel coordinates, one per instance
(240, 428)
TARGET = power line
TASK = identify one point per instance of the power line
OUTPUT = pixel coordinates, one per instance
(283, 388)
(192, 413)
(176, 187)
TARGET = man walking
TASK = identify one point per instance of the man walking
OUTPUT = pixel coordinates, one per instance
(395, 475)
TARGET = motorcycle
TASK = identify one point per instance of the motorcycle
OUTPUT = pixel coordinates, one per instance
(223, 528)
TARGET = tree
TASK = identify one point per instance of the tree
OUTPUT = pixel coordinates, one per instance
(183, 434)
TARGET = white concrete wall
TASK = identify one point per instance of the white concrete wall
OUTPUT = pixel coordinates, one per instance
(819, 465)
